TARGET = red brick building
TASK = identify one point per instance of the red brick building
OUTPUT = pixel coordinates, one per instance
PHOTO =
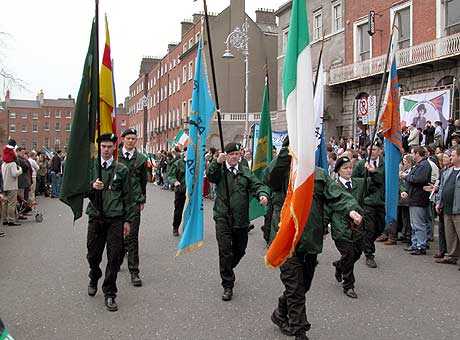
(160, 98)
(428, 53)
(38, 123)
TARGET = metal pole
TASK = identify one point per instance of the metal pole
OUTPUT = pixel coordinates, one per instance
(246, 104)
(98, 99)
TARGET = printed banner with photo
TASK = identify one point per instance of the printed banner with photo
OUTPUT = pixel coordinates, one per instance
(420, 107)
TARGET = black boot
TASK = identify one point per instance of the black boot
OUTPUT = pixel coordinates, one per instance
(111, 304)
(136, 280)
(228, 294)
(176, 232)
(278, 319)
(92, 288)
(338, 274)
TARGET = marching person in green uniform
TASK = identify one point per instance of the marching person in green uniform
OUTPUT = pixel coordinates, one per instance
(347, 235)
(108, 225)
(137, 166)
(232, 222)
(297, 272)
(176, 176)
(374, 202)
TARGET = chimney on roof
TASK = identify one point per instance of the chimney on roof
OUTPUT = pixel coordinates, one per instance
(185, 27)
(265, 16)
(40, 96)
(69, 96)
(197, 17)
(171, 47)
(7, 95)
(147, 64)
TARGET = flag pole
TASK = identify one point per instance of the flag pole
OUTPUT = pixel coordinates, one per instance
(319, 62)
(377, 114)
(98, 99)
(216, 98)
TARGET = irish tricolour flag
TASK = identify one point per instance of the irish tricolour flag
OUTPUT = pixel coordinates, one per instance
(298, 96)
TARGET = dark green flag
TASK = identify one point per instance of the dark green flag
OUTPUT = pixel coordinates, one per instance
(263, 155)
(76, 180)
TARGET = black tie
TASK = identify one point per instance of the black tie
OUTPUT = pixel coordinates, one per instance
(348, 185)
(233, 170)
(375, 164)
(127, 155)
(104, 165)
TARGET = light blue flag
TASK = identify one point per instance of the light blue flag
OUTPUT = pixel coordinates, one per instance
(202, 110)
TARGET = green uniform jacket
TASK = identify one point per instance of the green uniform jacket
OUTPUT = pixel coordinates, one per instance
(376, 187)
(177, 173)
(241, 186)
(343, 229)
(137, 167)
(327, 197)
(116, 195)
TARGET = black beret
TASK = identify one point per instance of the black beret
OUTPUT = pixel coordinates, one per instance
(231, 147)
(107, 137)
(129, 131)
(340, 162)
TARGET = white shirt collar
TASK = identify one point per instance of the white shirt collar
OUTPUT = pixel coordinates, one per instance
(229, 167)
(344, 181)
(131, 153)
(377, 162)
(109, 162)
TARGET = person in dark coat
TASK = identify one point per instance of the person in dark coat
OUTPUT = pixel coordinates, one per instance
(297, 272)
(232, 218)
(176, 176)
(346, 234)
(136, 163)
(110, 222)
(374, 200)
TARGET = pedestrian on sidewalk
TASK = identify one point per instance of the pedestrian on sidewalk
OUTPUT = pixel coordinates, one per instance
(448, 203)
(419, 201)
(34, 166)
(110, 223)
(232, 222)
(10, 173)
(374, 202)
(56, 174)
(136, 163)
(176, 176)
(297, 272)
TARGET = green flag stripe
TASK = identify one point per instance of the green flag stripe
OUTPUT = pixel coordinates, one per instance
(409, 104)
(298, 40)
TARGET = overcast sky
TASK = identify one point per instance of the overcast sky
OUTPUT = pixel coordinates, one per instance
(49, 38)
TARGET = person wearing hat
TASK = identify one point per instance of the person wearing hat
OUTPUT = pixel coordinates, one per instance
(10, 175)
(232, 218)
(296, 274)
(137, 166)
(110, 223)
(176, 176)
(346, 235)
(374, 201)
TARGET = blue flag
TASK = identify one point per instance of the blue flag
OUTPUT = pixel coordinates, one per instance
(321, 150)
(202, 110)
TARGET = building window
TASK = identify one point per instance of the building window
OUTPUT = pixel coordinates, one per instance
(184, 109)
(57, 144)
(57, 126)
(190, 43)
(178, 84)
(197, 37)
(452, 14)
(69, 115)
(190, 70)
(184, 74)
(184, 48)
(34, 127)
(362, 41)
(46, 126)
(67, 126)
(285, 39)
(337, 14)
(12, 115)
(24, 128)
(34, 145)
(47, 114)
(34, 115)
(57, 114)
(24, 115)
(174, 86)
(317, 25)
(12, 128)
(190, 106)
(47, 142)
(402, 15)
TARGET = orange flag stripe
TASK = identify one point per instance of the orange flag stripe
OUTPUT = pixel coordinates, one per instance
(294, 216)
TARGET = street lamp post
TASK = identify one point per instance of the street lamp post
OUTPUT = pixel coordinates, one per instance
(238, 39)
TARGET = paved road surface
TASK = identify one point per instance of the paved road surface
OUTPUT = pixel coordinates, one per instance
(43, 285)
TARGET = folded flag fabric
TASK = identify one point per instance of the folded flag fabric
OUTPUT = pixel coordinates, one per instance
(4, 335)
